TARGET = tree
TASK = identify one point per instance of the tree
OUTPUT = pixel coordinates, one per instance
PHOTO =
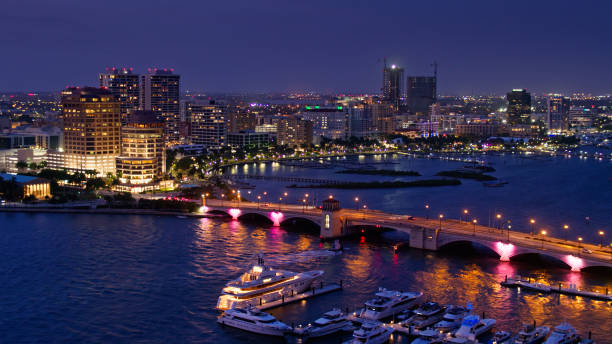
(21, 165)
(95, 183)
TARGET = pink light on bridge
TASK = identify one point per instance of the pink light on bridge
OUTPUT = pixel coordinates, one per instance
(576, 263)
(277, 217)
(204, 209)
(234, 213)
(505, 251)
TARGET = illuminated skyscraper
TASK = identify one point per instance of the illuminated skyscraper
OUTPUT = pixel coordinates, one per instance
(160, 93)
(92, 129)
(208, 124)
(420, 94)
(392, 84)
(519, 106)
(124, 86)
(557, 114)
(142, 158)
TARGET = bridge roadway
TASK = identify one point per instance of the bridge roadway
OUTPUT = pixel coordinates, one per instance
(424, 233)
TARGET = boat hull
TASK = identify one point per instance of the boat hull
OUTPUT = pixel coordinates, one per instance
(269, 331)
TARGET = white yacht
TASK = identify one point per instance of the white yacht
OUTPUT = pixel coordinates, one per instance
(389, 302)
(263, 284)
(371, 332)
(502, 337)
(472, 326)
(331, 322)
(252, 320)
(426, 315)
(429, 336)
(530, 334)
(563, 334)
(452, 318)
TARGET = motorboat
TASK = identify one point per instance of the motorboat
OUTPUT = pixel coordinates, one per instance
(389, 302)
(253, 320)
(331, 322)
(452, 318)
(472, 326)
(502, 337)
(261, 284)
(563, 334)
(371, 332)
(530, 334)
(459, 340)
(426, 315)
(429, 336)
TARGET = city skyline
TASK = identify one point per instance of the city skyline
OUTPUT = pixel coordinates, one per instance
(481, 48)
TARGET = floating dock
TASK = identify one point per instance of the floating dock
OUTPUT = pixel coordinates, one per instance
(545, 288)
(302, 296)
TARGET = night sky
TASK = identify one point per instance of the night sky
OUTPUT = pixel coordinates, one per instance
(482, 47)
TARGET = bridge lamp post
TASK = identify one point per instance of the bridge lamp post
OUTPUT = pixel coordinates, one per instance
(303, 205)
(579, 245)
(531, 223)
(280, 200)
(601, 235)
(427, 211)
(543, 235)
(441, 216)
(222, 196)
(498, 222)
(306, 197)
(365, 211)
(509, 227)
(474, 221)
(357, 202)
(465, 212)
(566, 230)
(258, 200)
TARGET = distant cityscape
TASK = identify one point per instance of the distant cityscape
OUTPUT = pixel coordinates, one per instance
(131, 128)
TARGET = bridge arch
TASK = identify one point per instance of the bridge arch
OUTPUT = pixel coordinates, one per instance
(255, 217)
(475, 245)
(545, 259)
(219, 212)
(300, 223)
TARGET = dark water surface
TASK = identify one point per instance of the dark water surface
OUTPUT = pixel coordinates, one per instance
(133, 279)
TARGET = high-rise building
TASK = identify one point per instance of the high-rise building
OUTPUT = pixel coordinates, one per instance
(143, 154)
(420, 94)
(558, 112)
(160, 93)
(92, 129)
(208, 124)
(382, 117)
(294, 131)
(124, 85)
(392, 84)
(327, 122)
(519, 106)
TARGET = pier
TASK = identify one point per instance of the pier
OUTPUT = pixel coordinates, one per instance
(312, 292)
(424, 233)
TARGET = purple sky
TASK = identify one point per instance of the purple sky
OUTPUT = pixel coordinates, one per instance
(482, 47)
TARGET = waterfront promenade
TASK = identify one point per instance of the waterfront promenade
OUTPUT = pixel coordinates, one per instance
(430, 234)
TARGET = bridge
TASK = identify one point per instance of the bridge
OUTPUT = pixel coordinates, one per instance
(428, 234)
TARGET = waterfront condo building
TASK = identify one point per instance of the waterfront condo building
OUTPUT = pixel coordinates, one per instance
(92, 129)
(558, 112)
(160, 93)
(327, 122)
(208, 124)
(294, 131)
(143, 158)
(124, 85)
(519, 106)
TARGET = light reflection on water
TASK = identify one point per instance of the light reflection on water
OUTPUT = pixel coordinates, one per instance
(106, 278)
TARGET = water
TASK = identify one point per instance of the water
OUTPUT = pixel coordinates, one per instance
(134, 279)
(554, 191)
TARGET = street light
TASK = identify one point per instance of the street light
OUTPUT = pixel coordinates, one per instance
(543, 235)
(427, 211)
(258, 200)
(566, 230)
(601, 235)
(222, 196)
(441, 216)
(579, 245)
(465, 212)
(531, 223)
(498, 216)
(474, 223)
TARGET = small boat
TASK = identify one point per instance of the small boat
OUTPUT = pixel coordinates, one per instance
(429, 336)
(530, 334)
(472, 327)
(426, 315)
(389, 302)
(459, 340)
(563, 334)
(502, 337)
(371, 332)
(253, 320)
(452, 318)
(337, 247)
(331, 322)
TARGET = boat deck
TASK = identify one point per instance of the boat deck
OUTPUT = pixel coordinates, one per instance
(302, 296)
